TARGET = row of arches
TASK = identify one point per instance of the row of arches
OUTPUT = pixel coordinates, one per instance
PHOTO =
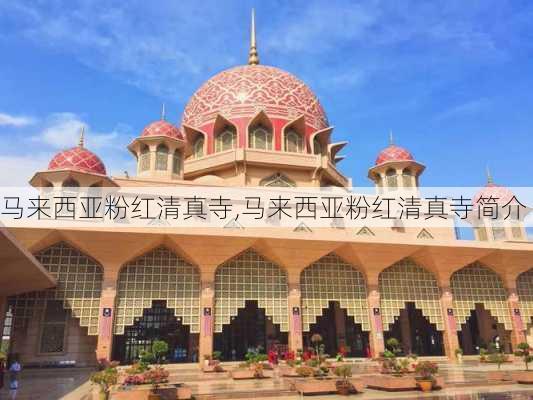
(260, 136)
(160, 285)
(161, 159)
(394, 178)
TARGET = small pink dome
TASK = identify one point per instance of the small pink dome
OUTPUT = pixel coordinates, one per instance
(162, 128)
(499, 194)
(78, 159)
(393, 153)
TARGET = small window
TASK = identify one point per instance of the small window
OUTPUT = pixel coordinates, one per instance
(516, 231)
(161, 158)
(71, 183)
(294, 142)
(225, 140)
(481, 233)
(498, 233)
(407, 178)
(176, 162)
(144, 163)
(198, 147)
(392, 179)
(53, 330)
(260, 138)
(317, 146)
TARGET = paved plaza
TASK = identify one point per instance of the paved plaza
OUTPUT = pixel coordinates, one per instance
(463, 382)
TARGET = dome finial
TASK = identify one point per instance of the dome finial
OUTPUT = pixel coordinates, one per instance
(253, 56)
(489, 175)
(391, 138)
(82, 136)
(163, 112)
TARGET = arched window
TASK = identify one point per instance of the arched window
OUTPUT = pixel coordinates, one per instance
(498, 232)
(198, 147)
(176, 162)
(294, 141)
(317, 146)
(225, 140)
(407, 178)
(161, 158)
(392, 179)
(144, 163)
(260, 138)
(71, 183)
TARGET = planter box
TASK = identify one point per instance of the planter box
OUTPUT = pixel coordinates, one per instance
(391, 383)
(310, 386)
(141, 392)
(498, 376)
(288, 372)
(212, 368)
(525, 377)
(246, 374)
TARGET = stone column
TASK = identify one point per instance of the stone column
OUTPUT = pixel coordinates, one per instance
(3, 310)
(207, 319)
(377, 342)
(518, 333)
(450, 338)
(295, 317)
(106, 314)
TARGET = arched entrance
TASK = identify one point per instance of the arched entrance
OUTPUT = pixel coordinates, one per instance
(481, 309)
(524, 287)
(157, 323)
(250, 329)
(416, 334)
(339, 331)
(410, 308)
(158, 297)
(334, 304)
(250, 298)
(61, 320)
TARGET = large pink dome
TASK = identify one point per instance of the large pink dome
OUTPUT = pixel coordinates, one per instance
(78, 159)
(245, 90)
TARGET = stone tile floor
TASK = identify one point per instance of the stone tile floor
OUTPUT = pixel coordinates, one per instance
(464, 382)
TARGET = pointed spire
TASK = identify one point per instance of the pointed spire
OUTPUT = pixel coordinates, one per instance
(391, 139)
(81, 143)
(163, 112)
(489, 175)
(253, 56)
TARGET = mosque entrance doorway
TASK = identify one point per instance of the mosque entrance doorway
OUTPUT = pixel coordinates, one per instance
(339, 333)
(481, 330)
(156, 323)
(250, 330)
(416, 334)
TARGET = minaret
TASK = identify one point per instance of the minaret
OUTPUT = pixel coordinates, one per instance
(395, 168)
(253, 56)
(81, 143)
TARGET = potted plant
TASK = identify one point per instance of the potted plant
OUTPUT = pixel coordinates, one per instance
(155, 376)
(344, 387)
(394, 345)
(426, 371)
(524, 351)
(316, 339)
(305, 371)
(483, 353)
(105, 379)
(497, 358)
(459, 355)
(159, 350)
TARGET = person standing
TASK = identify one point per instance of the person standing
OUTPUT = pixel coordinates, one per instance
(2, 368)
(14, 371)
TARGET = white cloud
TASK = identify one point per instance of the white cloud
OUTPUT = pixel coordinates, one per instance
(468, 108)
(11, 120)
(62, 130)
(21, 168)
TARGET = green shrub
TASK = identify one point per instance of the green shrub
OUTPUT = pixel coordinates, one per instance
(524, 351)
(159, 349)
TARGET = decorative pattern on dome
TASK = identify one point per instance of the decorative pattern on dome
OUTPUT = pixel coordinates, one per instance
(499, 194)
(78, 159)
(393, 153)
(162, 128)
(243, 91)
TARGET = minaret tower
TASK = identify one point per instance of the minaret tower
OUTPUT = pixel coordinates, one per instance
(159, 150)
(395, 167)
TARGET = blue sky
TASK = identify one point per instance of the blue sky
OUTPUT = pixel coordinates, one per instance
(451, 79)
